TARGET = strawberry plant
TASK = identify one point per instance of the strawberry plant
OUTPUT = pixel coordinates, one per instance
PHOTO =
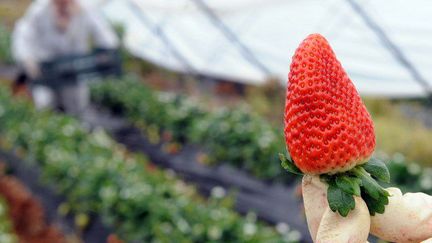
(96, 175)
(253, 143)
(242, 139)
(234, 136)
(161, 112)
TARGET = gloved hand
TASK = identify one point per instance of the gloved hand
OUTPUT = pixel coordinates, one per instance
(407, 218)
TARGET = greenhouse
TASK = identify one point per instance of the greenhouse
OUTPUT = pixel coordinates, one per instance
(215, 121)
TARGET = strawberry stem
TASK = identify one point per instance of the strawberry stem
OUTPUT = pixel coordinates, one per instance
(375, 196)
(359, 181)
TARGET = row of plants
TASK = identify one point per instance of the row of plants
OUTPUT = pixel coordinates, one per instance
(139, 201)
(6, 231)
(235, 136)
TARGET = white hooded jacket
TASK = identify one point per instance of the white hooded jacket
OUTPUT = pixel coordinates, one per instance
(36, 37)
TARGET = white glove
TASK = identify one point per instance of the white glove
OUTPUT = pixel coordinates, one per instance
(327, 226)
(407, 218)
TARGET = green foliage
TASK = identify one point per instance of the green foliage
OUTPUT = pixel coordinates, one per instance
(349, 184)
(289, 165)
(377, 169)
(234, 136)
(359, 181)
(6, 230)
(162, 112)
(96, 175)
(409, 176)
(5, 45)
(339, 200)
(243, 140)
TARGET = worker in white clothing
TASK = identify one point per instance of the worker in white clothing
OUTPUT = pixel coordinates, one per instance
(56, 28)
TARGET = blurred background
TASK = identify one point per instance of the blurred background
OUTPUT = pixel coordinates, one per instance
(161, 121)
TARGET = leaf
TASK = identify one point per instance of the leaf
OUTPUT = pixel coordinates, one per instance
(348, 184)
(370, 186)
(372, 193)
(356, 182)
(339, 200)
(377, 169)
(289, 165)
(375, 205)
(288, 156)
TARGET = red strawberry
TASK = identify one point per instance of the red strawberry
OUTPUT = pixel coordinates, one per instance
(327, 126)
(329, 131)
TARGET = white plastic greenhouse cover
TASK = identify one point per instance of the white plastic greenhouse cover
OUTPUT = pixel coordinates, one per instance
(180, 35)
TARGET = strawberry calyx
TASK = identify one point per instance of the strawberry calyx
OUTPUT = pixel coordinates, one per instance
(362, 180)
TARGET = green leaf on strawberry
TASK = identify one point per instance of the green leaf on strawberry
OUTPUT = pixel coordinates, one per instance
(349, 184)
(375, 205)
(355, 182)
(342, 187)
(339, 200)
(377, 169)
(289, 165)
